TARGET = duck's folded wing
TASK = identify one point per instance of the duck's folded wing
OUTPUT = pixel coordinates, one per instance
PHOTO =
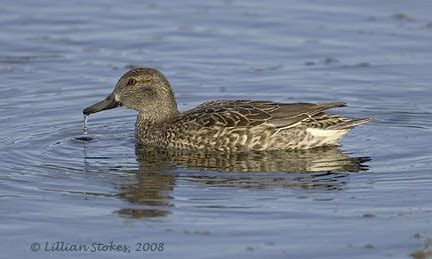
(248, 113)
(291, 114)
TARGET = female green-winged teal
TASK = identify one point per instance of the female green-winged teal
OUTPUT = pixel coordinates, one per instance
(222, 125)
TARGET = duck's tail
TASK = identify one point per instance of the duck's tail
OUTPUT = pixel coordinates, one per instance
(349, 123)
(328, 129)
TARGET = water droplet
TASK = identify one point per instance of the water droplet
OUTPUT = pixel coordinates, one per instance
(85, 124)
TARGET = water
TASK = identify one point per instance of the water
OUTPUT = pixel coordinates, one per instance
(369, 198)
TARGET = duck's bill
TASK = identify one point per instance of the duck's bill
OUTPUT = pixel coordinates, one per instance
(106, 104)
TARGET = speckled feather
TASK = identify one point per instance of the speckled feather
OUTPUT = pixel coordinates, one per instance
(253, 125)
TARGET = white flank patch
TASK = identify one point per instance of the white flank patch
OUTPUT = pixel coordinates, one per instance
(327, 136)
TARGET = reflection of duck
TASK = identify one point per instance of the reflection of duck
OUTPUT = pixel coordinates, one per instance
(311, 160)
(149, 194)
(222, 125)
(151, 190)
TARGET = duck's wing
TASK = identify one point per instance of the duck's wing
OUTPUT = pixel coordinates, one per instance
(248, 113)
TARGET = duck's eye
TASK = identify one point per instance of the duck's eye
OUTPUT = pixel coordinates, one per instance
(132, 81)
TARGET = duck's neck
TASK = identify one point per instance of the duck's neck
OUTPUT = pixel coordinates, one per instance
(150, 126)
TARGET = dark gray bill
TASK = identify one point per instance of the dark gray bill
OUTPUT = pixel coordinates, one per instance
(108, 103)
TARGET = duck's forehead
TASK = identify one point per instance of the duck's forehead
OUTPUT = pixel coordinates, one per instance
(143, 72)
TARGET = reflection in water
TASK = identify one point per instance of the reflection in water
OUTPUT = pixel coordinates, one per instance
(151, 190)
(149, 193)
(301, 161)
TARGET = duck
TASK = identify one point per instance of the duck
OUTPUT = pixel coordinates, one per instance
(222, 125)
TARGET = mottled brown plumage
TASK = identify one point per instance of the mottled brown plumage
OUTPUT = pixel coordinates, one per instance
(224, 124)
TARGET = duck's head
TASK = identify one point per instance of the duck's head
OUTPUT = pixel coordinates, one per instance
(145, 90)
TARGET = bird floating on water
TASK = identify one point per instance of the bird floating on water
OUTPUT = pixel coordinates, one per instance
(224, 125)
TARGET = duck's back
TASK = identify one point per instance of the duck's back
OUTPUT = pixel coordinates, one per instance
(257, 125)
